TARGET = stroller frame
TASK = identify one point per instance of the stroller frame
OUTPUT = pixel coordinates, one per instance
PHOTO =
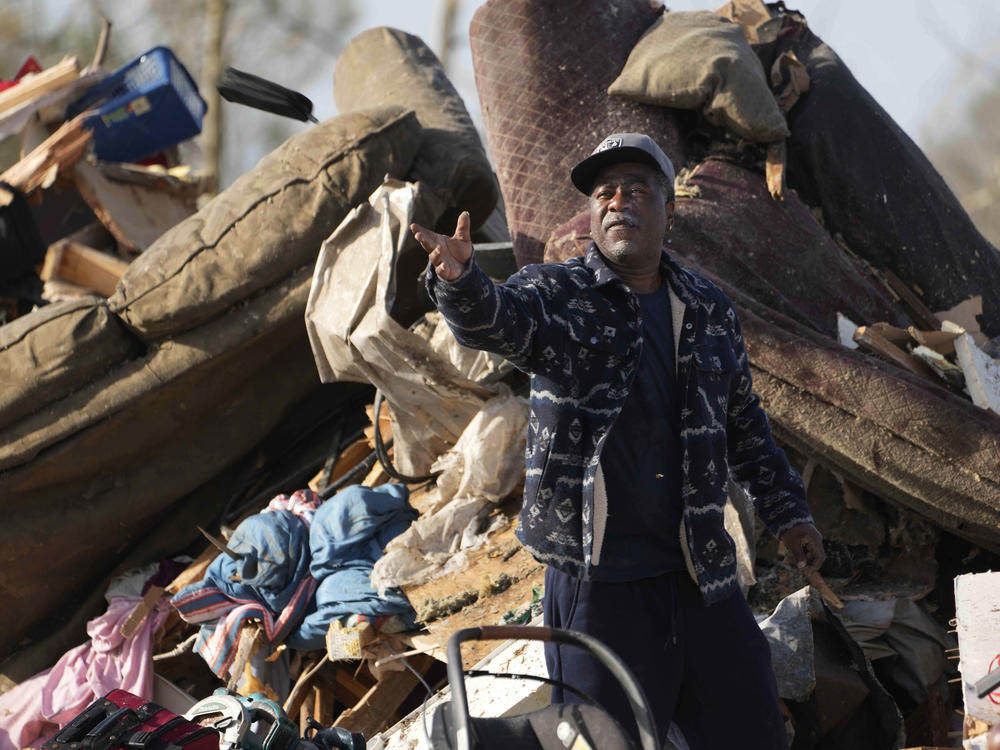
(464, 737)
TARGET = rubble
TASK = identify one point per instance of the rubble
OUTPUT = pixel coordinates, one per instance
(193, 365)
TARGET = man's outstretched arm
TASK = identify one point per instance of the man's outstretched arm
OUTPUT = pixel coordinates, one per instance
(501, 318)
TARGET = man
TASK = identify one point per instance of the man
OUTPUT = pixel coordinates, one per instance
(641, 407)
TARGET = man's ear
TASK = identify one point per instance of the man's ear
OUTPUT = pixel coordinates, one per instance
(669, 205)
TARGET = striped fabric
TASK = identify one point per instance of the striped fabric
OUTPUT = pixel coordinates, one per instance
(271, 583)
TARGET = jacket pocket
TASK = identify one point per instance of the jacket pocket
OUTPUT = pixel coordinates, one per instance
(715, 357)
(590, 334)
(715, 367)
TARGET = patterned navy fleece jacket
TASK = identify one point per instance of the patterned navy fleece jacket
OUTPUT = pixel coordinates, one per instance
(575, 327)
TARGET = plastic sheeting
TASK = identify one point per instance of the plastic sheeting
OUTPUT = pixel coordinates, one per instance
(443, 419)
(484, 467)
(354, 337)
(901, 628)
(789, 634)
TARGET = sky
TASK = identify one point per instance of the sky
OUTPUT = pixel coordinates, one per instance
(921, 59)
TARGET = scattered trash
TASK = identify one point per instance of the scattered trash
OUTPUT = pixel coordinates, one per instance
(162, 350)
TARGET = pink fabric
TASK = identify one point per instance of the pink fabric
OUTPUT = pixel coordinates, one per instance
(34, 710)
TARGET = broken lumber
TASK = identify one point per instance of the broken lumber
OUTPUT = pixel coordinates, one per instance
(75, 262)
(943, 342)
(136, 205)
(872, 339)
(36, 84)
(56, 153)
(913, 305)
(141, 611)
(375, 711)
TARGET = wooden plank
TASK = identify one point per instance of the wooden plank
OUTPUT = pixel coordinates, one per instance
(871, 340)
(943, 342)
(352, 685)
(305, 711)
(34, 85)
(82, 265)
(915, 306)
(374, 712)
(323, 701)
(141, 611)
(898, 336)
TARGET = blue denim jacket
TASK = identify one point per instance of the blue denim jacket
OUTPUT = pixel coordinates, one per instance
(575, 327)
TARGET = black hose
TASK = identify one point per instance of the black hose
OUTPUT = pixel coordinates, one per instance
(382, 450)
(359, 469)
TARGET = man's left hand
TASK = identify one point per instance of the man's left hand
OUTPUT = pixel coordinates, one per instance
(805, 546)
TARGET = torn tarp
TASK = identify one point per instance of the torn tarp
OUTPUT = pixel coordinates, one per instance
(354, 337)
(443, 420)
(484, 467)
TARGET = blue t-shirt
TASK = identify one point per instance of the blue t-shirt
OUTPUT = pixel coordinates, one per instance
(641, 460)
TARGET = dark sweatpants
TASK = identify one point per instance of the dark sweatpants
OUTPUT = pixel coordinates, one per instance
(707, 668)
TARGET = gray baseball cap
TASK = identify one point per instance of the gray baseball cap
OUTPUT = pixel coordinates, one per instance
(617, 148)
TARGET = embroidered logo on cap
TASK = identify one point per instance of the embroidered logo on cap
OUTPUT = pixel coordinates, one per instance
(609, 143)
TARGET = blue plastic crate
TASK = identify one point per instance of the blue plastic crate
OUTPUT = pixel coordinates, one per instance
(147, 105)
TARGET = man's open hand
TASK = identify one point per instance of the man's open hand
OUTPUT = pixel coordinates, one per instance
(805, 546)
(448, 255)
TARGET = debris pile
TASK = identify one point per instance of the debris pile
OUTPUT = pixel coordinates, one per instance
(265, 369)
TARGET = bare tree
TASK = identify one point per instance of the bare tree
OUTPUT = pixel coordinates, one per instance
(294, 42)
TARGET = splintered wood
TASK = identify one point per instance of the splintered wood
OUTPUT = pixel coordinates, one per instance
(55, 154)
(35, 85)
(377, 707)
(878, 340)
(136, 204)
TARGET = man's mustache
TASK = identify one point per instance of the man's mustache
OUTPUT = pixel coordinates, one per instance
(619, 219)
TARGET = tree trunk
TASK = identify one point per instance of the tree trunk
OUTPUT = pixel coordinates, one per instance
(211, 71)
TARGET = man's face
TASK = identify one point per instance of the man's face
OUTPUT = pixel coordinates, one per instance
(628, 215)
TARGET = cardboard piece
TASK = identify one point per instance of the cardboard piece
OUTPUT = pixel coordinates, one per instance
(982, 373)
(977, 612)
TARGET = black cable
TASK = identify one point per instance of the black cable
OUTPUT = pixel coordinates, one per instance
(381, 450)
(362, 467)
